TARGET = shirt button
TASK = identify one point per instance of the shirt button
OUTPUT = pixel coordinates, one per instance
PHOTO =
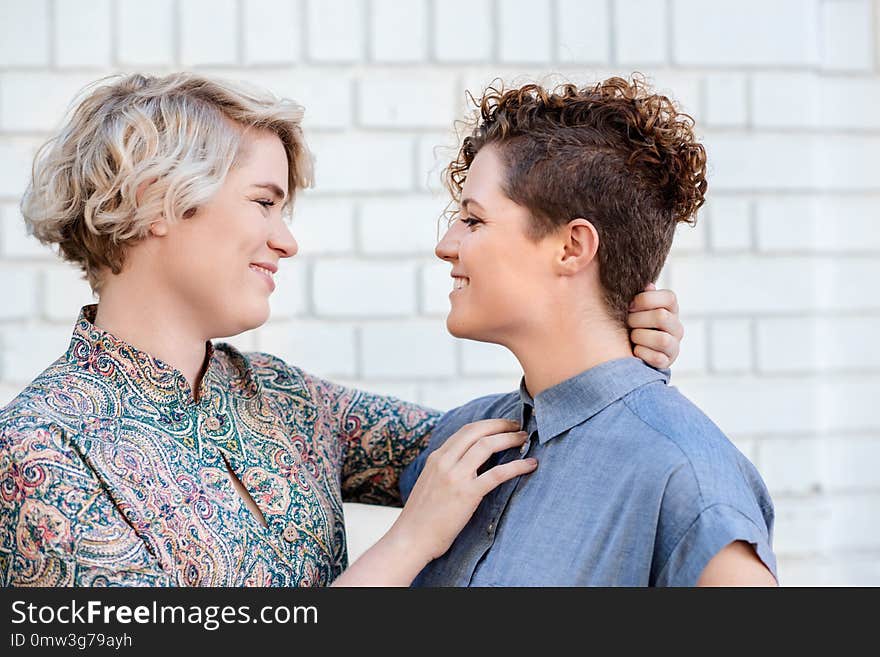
(524, 448)
(490, 528)
(290, 533)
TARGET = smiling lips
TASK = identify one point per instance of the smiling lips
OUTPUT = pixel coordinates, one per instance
(267, 271)
(460, 282)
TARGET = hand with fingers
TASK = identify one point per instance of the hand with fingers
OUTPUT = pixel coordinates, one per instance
(450, 488)
(442, 501)
(657, 331)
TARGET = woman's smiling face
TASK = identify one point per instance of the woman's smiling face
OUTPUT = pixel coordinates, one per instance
(220, 262)
(500, 274)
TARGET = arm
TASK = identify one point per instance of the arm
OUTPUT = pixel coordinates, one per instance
(377, 437)
(54, 511)
(443, 499)
(657, 331)
(736, 565)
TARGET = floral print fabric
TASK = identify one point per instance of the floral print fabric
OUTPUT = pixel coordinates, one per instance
(112, 473)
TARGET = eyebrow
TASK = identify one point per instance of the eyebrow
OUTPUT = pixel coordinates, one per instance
(469, 201)
(272, 187)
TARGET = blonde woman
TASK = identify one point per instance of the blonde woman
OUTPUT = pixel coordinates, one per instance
(146, 454)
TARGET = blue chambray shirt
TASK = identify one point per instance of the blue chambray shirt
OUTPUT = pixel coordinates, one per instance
(635, 486)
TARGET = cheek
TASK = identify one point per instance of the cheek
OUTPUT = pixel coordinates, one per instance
(502, 268)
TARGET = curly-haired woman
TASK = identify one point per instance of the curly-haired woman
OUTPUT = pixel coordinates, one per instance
(568, 201)
(146, 455)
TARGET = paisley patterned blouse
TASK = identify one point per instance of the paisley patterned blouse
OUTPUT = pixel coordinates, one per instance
(112, 474)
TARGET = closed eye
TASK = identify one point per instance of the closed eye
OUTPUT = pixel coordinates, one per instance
(266, 203)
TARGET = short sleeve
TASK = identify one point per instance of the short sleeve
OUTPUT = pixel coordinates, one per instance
(379, 436)
(714, 528)
(58, 527)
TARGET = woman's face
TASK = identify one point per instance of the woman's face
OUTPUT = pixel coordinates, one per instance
(220, 262)
(501, 276)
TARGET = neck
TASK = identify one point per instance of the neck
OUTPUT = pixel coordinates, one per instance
(147, 320)
(555, 351)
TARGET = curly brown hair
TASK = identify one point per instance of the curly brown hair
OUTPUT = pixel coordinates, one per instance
(614, 153)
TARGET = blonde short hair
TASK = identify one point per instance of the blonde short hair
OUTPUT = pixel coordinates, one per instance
(138, 147)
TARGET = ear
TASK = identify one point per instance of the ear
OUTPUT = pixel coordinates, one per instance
(580, 243)
(159, 228)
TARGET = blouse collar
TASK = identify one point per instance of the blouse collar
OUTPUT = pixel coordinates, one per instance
(163, 386)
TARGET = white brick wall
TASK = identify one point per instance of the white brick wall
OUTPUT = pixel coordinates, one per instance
(351, 288)
(24, 33)
(407, 350)
(32, 102)
(525, 33)
(324, 226)
(271, 31)
(847, 37)
(641, 32)
(727, 100)
(64, 292)
(15, 243)
(82, 33)
(728, 34)
(145, 32)
(399, 226)
(209, 32)
(335, 30)
(388, 42)
(426, 103)
(575, 18)
(811, 224)
(463, 30)
(777, 283)
(347, 163)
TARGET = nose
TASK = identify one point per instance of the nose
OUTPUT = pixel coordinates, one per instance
(447, 247)
(282, 240)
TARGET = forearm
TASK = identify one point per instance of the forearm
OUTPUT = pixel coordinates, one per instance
(392, 561)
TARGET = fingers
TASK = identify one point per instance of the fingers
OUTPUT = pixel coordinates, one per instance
(653, 358)
(482, 449)
(462, 440)
(665, 343)
(496, 476)
(652, 299)
(659, 319)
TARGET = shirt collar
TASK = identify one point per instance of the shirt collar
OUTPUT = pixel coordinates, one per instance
(161, 385)
(575, 400)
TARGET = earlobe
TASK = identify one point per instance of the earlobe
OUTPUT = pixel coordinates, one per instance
(159, 228)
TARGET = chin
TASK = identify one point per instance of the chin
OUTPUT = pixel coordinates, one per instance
(245, 320)
(462, 329)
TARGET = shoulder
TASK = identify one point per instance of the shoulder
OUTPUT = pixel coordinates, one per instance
(45, 477)
(713, 494)
(268, 373)
(54, 510)
(264, 366)
(36, 409)
(35, 440)
(706, 460)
